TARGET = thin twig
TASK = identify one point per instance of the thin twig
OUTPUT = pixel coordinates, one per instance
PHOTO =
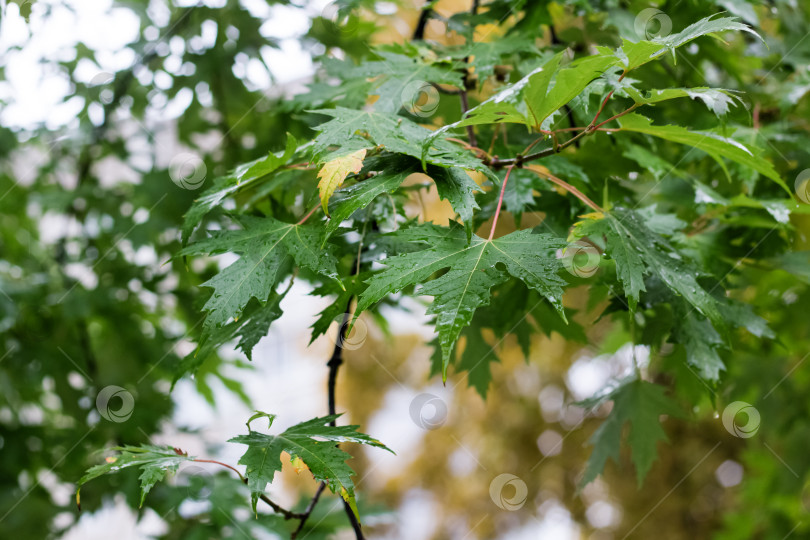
(334, 364)
(465, 106)
(615, 116)
(310, 507)
(604, 102)
(556, 148)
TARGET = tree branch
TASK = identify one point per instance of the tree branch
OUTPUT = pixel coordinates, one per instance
(334, 364)
(424, 16)
(310, 507)
(465, 106)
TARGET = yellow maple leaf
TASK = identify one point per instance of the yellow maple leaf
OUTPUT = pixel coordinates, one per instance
(335, 171)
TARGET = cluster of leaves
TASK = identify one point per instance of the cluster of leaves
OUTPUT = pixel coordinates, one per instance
(563, 104)
(307, 444)
(374, 149)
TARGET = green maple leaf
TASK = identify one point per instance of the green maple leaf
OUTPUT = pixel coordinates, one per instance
(633, 239)
(701, 341)
(351, 129)
(475, 360)
(640, 404)
(312, 442)
(391, 172)
(536, 96)
(456, 186)
(635, 54)
(396, 73)
(553, 87)
(716, 100)
(243, 176)
(638, 251)
(250, 328)
(474, 268)
(154, 461)
(254, 327)
(267, 247)
(711, 143)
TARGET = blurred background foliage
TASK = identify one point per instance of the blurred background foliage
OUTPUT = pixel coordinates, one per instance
(90, 297)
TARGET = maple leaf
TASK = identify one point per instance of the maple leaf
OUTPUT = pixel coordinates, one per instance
(310, 443)
(396, 74)
(474, 268)
(243, 176)
(640, 404)
(455, 185)
(155, 462)
(354, 129)
(713, 144)
(639, 251)
(717, 100)
(335, 171)
(391, 170)
(268, 247)
(252, 325)
(634, 54)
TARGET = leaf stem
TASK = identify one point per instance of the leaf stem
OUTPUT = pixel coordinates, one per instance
(604, 102)
(306, 217)
(479, 151)
(569, 188)
(221, 464)
(615, 116)
(500, 202)
(277, 508)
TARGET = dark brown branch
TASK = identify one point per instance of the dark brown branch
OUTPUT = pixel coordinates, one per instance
(283, 511)
(556, 148)
(424, 16)
(465, 106)
(308, 511)
(334, 364)
(467, 85)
